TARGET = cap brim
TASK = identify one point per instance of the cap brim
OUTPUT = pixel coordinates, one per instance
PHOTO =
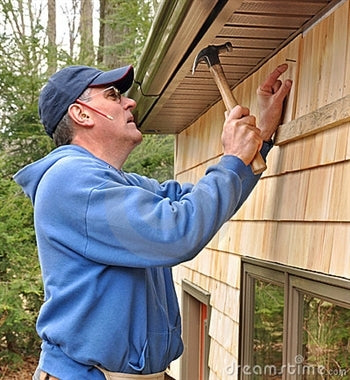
(121, 78)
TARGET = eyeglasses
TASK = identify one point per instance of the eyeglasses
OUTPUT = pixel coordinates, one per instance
(111, 91)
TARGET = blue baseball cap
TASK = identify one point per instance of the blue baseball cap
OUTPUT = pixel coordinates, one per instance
(64, 88)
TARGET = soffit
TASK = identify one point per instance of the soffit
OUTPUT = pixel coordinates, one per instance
(170, 98)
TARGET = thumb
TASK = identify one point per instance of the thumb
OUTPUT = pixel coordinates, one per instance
(237, 112)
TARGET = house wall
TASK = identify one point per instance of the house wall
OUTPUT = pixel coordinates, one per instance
(299, 213)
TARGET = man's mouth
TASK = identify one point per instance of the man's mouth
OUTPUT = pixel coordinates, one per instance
(132, 120)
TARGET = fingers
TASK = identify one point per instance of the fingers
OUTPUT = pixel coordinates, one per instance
(273, 90)
(276, 86)
(240, 135)
(241, 116)
(285, 88)
(272, 80)
(237, 113)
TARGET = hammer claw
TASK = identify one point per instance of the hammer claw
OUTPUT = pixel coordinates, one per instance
(211, 55)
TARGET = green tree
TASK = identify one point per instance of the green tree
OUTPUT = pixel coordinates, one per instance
(20, 280)
(153, 158)
(268, 324)
(22, 49)
(124, 25)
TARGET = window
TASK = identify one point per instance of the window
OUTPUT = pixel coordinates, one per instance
(268, 323)
(325, 343)
(295, 324)
(196, 314)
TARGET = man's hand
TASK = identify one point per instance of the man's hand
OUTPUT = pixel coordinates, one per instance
(240, 136)
(271, 95)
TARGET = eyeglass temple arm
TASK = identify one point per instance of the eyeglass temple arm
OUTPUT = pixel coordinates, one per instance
(109, 117)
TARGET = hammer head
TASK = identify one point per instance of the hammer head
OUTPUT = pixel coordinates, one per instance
(210, 54)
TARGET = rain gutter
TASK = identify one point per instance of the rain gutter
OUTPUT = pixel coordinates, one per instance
(177, 28)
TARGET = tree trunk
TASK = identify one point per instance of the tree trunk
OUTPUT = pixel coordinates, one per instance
(113, 35)
(101, 37)
(87, 55)
(51, 35)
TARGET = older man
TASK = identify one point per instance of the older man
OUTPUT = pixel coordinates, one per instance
(107, 239)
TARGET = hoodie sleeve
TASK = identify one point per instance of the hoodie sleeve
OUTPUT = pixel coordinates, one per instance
(162, 225)
(128, 220)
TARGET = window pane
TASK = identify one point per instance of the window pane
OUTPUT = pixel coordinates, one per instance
(268, 329)
(326, 340)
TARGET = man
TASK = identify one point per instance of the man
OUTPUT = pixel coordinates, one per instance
(107, 239)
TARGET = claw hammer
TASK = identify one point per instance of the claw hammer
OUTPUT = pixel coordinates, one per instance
(210, 55)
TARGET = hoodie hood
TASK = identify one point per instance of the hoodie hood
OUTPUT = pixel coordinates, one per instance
(30, 176)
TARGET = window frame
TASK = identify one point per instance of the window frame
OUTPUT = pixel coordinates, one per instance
(296, 282)
(192, 293)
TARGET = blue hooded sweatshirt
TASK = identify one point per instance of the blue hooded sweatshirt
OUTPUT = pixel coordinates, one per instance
(107, 241)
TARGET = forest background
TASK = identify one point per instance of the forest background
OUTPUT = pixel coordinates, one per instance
(34, 43)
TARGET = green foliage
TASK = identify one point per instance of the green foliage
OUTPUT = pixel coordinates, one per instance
(22, 140)
(127, 24)
(153, 158)
(326, 334)
(20, 281)
(268, 323)
(22, 52)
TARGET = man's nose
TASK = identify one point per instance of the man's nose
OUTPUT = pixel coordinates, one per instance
(129, 103)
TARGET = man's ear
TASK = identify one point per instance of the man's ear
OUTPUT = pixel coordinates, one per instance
(80, 116)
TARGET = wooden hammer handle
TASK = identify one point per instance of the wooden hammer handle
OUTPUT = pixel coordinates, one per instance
(258, 164)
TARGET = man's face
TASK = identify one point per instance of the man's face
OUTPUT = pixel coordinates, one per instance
(122, 129)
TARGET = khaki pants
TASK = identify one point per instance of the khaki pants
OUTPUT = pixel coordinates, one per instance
(46, 376)
(121, 376)
(110, 376)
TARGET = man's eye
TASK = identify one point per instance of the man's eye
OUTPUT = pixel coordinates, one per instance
(113, 95)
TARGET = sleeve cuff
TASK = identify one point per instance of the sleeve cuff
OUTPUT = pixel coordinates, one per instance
(236, 165)
(267, 146)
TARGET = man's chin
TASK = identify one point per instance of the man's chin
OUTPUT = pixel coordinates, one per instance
(138, 139)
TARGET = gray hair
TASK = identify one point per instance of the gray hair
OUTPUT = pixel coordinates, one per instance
(64, 132)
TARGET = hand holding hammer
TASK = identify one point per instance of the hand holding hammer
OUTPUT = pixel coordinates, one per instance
(211, 56)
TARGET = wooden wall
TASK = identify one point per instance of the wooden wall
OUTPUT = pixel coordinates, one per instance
(299, 214)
